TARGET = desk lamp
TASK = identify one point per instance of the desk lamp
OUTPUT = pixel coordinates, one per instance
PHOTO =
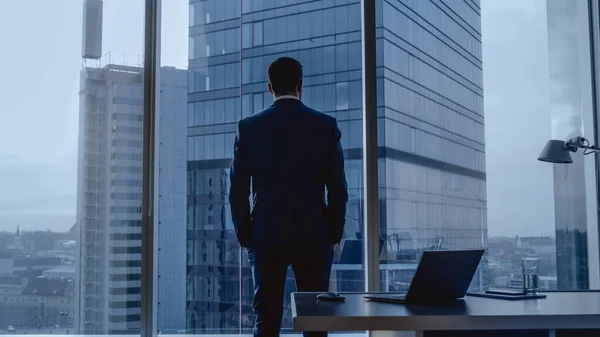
(559, 151)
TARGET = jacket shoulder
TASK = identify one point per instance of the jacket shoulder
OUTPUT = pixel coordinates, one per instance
(322, 117)
(256, 117)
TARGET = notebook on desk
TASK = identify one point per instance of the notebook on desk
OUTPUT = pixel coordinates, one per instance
(441, 276)
(509, 297)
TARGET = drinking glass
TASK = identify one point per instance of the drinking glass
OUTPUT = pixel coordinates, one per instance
(530, 275)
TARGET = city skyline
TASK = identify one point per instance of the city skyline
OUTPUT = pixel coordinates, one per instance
(53, 183)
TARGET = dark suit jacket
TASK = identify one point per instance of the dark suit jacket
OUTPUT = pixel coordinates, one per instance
(287, 155)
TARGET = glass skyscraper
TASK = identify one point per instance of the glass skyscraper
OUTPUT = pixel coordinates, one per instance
(431, 133)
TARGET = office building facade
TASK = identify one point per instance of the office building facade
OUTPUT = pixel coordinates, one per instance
(108, 282)
(431, 133)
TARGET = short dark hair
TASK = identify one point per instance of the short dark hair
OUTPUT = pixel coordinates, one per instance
(285, 73)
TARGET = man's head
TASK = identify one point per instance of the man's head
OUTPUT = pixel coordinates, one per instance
(285, 77)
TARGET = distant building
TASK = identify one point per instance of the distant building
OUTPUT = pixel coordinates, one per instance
(62, 272)
(6, 267)
(34, 266)
(17, 245)
(516, 282)
(109, 199)
(36, 302)
(539, 244)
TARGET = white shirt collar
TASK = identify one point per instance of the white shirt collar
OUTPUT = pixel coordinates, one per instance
(286, 97)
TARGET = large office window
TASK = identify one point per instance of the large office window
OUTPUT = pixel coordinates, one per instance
(214, 287)
(467, 105)
(468, 92)
(70, 162)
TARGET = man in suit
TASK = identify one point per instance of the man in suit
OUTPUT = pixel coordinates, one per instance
(286, 156)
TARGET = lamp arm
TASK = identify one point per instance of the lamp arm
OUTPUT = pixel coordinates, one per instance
(591, 149)
(581, 143)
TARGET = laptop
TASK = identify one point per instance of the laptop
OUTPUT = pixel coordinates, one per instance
(441, 276)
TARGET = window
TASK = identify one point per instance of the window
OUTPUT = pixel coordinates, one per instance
(191, 49)
(247, 35)
(246, 69)
(433, 104)
(219, 111)
(231, 110)
(258, 33)
(258, 103)
(220, 42)
(190, 149)
(464, 107)
(265, 32)
(231, 41)
(192, 16)
(246, 105)
(341, 95)
(94, 232)
(246, 6)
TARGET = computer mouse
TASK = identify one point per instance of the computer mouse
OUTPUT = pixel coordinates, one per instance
(330, 296)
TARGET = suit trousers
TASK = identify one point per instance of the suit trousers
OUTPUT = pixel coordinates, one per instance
(312, 268)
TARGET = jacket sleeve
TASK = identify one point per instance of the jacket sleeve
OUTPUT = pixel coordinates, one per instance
(337, 189)
(239, 191)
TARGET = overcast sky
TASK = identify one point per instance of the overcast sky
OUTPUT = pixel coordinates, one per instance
(39, 82)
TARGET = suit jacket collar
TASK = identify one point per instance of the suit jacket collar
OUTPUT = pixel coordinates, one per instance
(287, 101)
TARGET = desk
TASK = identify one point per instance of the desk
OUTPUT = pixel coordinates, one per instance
(559, 311)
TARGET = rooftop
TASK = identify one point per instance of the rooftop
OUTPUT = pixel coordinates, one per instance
(45, 287)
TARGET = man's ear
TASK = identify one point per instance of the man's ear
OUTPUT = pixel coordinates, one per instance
(271, 88)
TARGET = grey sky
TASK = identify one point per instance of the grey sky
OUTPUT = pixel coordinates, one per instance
(39, 69)
(517, 117)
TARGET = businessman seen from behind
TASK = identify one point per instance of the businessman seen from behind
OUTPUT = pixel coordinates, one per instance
(285, 158)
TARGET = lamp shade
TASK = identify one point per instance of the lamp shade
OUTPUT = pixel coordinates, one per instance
(557, 152)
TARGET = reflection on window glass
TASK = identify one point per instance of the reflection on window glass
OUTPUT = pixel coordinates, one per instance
(355, 95)
(247, 35)
(219, 42)
(247, 107)
(246, 6)
(341, 96)
(219, 77)
(329, 97)
(219, 111)
(209, 112)
(191, 49)
(246, 69)
(258, 33)
(190, 148)
(258, 103)
(269, 27)
(192, 15)
(231, 110)
(210, 42)
(231, 41)
(292, 28)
